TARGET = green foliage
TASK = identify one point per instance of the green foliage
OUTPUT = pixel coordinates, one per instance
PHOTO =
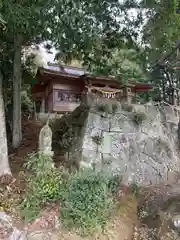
(26, 104)
(127, 65)
(143, 98)
(86, 197)
(124, 64)
(135, 189)
(161, 30)
(38, 163)
(44, 186)
(139, 117)
(42, 189)
(80, 27)
(102, 108)
(47, 186)
(160, 36)
(87, 203)
(97, 30)
(114, 183)
(2, 19)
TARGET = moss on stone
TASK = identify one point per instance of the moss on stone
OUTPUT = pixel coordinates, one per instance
(139, 117)
(114, 108)
(127, 107)
(161, 144)
(102, 108)
(97, 139)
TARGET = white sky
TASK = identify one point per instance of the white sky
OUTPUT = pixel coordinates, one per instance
(47, 57)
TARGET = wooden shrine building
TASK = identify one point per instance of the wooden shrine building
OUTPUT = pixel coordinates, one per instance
(61, 88)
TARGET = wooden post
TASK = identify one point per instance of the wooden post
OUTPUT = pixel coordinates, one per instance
(43, 105)
(35, 112)
(125, 93)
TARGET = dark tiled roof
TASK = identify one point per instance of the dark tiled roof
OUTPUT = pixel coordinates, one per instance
(78, 72)
(65, 70)
(72, 72)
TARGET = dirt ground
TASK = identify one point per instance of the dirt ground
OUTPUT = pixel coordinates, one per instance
(30, 131)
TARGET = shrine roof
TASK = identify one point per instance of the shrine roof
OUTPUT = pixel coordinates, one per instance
(54, 69)
(70, 72)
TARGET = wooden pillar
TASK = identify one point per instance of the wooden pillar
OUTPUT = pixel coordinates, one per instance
(129, 95)
(43, 105)
(125, 94)
(35, 111)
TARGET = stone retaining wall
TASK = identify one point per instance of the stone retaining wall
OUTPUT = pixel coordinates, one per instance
(139, 142)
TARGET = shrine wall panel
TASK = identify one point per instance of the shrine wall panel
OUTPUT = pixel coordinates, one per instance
(65, 107)
(67, 85)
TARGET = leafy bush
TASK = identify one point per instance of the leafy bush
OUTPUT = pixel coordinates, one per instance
(103, 108)
(87, 203)
(135, 189)
(30, 207)
(114, 183)
(44, 185)
(85, 196)
(38, 163)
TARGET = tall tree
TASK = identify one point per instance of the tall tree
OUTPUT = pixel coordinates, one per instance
(124, 64)
(4, 163)
(160, 36)
(73, 26)
(25, 21)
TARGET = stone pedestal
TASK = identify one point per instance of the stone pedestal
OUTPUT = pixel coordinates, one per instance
(43, 105)
(47, 153)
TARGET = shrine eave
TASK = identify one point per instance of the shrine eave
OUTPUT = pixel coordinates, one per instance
(143, 87)
(45, 74)
(55, 72)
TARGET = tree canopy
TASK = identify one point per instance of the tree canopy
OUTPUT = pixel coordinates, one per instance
(78, 29)
(104, 36)
(160, 35)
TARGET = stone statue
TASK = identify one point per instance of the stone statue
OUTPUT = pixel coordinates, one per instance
(45, 140)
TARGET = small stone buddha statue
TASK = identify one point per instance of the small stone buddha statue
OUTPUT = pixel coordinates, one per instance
(45, 140)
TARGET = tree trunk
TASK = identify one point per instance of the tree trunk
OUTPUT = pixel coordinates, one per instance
(4, 162)
(17, 128)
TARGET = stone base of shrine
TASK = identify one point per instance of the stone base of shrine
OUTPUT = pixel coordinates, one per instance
(42, 117)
